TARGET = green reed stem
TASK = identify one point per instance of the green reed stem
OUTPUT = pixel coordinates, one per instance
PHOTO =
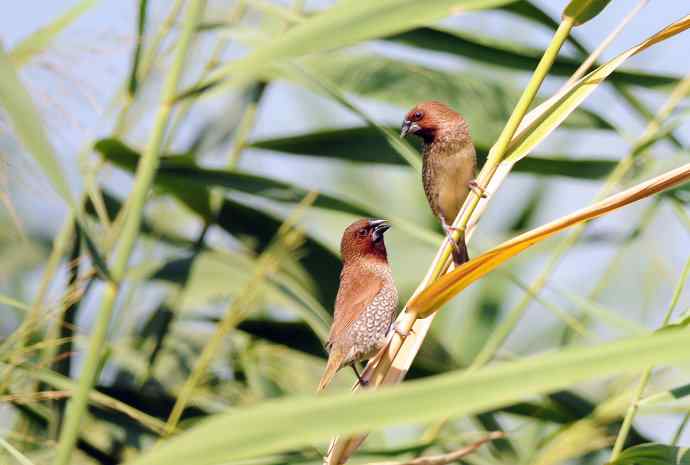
(146, 171)
(498, 151)
(612, 181)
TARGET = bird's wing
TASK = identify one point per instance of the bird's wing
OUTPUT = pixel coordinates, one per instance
(357, 290)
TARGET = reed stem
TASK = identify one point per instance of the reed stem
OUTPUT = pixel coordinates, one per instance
(146, 171)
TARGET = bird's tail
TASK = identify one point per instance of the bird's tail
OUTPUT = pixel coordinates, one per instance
(460, 254)
(332, 367)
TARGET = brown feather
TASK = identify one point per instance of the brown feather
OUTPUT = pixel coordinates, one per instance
(357, 290)
(366, 302)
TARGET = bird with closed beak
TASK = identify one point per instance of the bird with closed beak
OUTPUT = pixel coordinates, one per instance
(449, 163)
(367, 299)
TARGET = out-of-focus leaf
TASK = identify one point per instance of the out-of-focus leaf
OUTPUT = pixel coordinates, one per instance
(355, 21)
(38, 41)
(653, 454)
(260, 227)
(366, 145)
(113, 205)
(582, 11)
(177, 177)
(61, 382)
(484, 102)
(284, 424)
(512, 56)
(141, 28)
(450, 284)
(27, 125)
(213, 275)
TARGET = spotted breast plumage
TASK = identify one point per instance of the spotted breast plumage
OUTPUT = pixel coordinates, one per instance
(367, 299)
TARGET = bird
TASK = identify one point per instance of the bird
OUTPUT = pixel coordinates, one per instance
(449, 164)
(367, 299)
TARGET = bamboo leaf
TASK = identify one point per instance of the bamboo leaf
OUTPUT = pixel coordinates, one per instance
(484, 102)
(356, 21)
(18, 456)
(285, 424)
(27, 124)
(582, 11)
(38, 41)
(367, 145)
(450, 284)
(654, 454)
(512, 56)
(177, 175)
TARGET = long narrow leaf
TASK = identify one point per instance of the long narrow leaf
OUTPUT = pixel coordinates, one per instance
(27, 124)
(512, 56)
(452, 283)
(367, 145)
(38, 41)
(355, 21)
(281, 425)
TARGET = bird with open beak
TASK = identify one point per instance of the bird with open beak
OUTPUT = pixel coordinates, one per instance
(367, 299)
(449, 163)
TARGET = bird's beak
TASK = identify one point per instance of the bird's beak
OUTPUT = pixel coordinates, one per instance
(380, 227)
(408, 127)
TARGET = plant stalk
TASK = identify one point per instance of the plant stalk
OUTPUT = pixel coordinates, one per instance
(612, 181)
(146, 171)
(346, 446)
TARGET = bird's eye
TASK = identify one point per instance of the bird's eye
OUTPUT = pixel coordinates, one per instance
(418, 115)
(363, 232)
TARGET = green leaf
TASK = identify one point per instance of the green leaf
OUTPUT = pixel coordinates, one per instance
(484, 102)
(653, 454)
(582, 11)
(27, 125)
(355, 21)
(280, 425)
(367, 145)
(209, 275)
(542, 120)
(141, 30)
(38, 41)
(175, 176)
(512, 56)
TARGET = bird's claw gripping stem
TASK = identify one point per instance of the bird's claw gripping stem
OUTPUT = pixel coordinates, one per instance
(460, 254)
(400, 332)
(477, 189)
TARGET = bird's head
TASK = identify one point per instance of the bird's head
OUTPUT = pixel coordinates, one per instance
(431, 119)
(364, 239)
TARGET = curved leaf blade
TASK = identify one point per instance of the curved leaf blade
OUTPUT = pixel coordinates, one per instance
(654, 454)
(512, 56)
(26, 120)
(176, 173)
(355, 21)
(280, 425)
(367, 145)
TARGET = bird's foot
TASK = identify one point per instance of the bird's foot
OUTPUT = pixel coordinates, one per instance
(363, 380)
(396, 329)
(477, 189)
(460, 254)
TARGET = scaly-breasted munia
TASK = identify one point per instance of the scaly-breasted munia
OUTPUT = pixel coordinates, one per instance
(366, 302)
(449, 163)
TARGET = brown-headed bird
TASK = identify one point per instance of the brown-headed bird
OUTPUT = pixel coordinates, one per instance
(449, 163)
(366, 302)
